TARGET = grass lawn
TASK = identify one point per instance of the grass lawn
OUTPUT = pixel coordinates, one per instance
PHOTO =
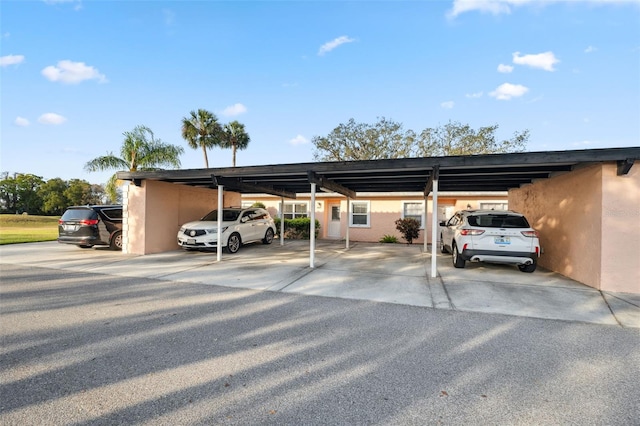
(16, 228)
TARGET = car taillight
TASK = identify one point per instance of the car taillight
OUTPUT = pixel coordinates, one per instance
(471, 232)
(60, 221)
(89, 222)
(530, 234)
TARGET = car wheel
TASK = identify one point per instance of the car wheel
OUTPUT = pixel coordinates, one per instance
(458, 261)
(268, 236)
(443, 249)
(84, 246)
(528, 268)
(116, 241)
(234, 243)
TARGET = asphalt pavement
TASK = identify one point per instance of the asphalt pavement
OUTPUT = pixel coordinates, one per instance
(390, 273)
(81, 347)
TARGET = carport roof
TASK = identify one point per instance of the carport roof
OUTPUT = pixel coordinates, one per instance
(491, 172)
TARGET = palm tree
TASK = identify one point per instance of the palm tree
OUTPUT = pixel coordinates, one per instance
(235, 137)
(201, 130)
(140, 152)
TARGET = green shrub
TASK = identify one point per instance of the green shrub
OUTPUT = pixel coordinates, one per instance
(409, 228)
(259, 204)
(389, 239)
(298, 228)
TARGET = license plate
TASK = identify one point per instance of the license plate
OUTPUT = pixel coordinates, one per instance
(191, 241)
(502, 240)
(69, 227)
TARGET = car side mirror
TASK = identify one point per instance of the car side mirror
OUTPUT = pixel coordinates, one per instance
(244, 219)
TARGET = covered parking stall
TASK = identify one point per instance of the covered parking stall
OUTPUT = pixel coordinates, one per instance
(585, 203)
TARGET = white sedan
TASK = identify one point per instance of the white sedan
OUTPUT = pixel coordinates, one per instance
(239, 226)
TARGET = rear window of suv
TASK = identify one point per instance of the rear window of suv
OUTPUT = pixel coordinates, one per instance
(498, 221)
(79, 214)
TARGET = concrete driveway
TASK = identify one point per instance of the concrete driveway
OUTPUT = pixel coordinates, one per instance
(391, 273)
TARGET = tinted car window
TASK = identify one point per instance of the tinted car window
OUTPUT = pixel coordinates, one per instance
(79, 214)
(113, 214)
(498, 221)
(227, 216)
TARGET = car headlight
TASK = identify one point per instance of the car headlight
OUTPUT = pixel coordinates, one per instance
(215, 230)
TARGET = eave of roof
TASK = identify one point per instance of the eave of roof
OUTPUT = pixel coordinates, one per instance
(468, 173)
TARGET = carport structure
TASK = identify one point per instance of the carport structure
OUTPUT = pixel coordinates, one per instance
(585, 203)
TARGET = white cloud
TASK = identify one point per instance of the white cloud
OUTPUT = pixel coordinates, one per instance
(21, 122)
(494, 7)
(329, 46)
(77, 3)
(506, 69)
(11, 60)
(544, 61)
(233, 110)
(506, 91)
(51, 118)
(590, 49)
(299, 140)
(474, 95)
(447, 104)
(169, 17)
(497, 7)
(70, 72)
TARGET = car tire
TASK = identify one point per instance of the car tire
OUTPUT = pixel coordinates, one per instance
(458, 261)
(443, 249)
(116, 241)
(234, 243)
(84, 246)
(268, 236)
(528, 268)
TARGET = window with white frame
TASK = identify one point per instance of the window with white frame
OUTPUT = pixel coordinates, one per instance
(360, 214)
(414, 210)
(294, 210)
(247, 204)
(494, 205)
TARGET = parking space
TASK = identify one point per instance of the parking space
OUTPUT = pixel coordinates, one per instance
(390, 273)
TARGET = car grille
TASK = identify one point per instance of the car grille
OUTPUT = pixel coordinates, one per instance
(194, 232)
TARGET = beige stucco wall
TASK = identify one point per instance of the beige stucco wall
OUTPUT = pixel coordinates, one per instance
(155, 211)
(589, 224)
(621, 230)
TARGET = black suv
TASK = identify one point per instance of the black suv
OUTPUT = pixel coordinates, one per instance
(88, 226)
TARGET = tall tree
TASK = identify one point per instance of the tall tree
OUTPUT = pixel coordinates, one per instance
(21, 193)
(201, 130)
(361, 141)
(388, 139)
(54, 201)
(235, 137)
(455, 138)
(140, 152)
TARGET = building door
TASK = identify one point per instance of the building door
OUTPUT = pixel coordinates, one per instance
(333, 231)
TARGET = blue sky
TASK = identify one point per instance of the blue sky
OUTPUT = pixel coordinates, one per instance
(75, 75)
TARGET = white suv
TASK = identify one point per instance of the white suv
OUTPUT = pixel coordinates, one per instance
(499, 236)
(239, 226)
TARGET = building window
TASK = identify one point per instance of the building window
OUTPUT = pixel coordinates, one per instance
(414, 210)
(360, 214)
(294, 210)
(247, 204)
(494, 206)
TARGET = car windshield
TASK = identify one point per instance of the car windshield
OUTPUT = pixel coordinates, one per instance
(498, 221)
(227, 216)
